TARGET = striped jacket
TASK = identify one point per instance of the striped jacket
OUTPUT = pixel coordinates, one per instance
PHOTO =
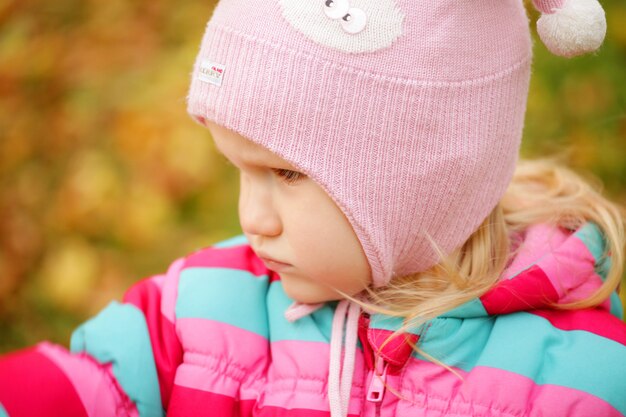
(209, 338)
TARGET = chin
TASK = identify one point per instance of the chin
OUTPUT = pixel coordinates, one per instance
(303, 298)
(307, 295)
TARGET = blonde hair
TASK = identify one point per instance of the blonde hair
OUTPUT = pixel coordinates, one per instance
(541, 191)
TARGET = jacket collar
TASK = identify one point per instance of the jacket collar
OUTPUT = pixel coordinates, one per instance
(551, 265)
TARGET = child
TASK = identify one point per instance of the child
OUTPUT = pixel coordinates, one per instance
(397, 260)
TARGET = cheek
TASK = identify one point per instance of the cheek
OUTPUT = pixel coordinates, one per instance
(301, 227)
(311, 223)
(324, 240)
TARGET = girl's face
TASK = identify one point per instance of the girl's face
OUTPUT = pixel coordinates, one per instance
(289, 218)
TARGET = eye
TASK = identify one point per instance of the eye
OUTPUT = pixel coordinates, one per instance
(336, 9)
(354, 20)
(289, 176)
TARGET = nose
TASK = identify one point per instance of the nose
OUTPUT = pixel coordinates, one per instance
(257, 214)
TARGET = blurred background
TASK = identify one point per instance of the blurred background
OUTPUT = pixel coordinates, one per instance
(104, 179)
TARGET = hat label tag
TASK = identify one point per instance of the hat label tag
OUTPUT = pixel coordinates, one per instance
(211, 72)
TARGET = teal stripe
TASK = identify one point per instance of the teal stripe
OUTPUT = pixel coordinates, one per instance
(604, 267)
(575, 359)
(591, 235)
(231, 296)
(119, 334)
(473, 308)
(233, 241)
(384, 322)
(456, 342)
(3, 412)
(315, 327)
(593, 238)
(528, 345)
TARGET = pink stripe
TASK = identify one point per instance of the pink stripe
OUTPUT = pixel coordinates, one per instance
(191, 402)
(218, 346)
(484, 390)
(95, 384)
(570, 268)
(303, 367)
(596, 321)
(397, 351)
(170, 290)
(537, 240)
(283, 412)
(236, 257)
(33, 385)
(166, 349)
(529, 290)
(273, 276)
(564, 258)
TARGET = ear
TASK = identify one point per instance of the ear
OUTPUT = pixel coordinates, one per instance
(571, 27)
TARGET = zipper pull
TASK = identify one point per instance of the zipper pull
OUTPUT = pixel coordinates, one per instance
(376, 389)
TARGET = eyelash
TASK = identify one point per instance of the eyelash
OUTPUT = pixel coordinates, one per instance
(288, 176)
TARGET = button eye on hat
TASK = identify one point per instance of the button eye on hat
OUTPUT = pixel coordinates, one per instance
(354, 21)
(349, 26)
(336, 9)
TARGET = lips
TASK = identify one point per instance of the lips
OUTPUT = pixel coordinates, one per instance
(273, 264)
(274, 261)
(266, 257)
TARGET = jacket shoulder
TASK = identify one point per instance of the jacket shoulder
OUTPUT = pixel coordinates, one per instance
(224, 284)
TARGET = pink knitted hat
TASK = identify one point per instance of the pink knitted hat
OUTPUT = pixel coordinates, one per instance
(409, 113)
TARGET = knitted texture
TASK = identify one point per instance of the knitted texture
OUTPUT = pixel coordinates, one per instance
(408, 113)
(547, 6)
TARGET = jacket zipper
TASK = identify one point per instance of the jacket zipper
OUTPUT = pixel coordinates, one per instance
(376, 389)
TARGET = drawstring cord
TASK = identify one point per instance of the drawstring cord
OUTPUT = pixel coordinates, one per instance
(340, 370)
(298, 310)
(339, 387)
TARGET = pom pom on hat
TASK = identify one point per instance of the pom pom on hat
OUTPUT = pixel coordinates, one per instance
(571, 27)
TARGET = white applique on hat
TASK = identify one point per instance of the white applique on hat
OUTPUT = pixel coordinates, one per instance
(348, 25)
